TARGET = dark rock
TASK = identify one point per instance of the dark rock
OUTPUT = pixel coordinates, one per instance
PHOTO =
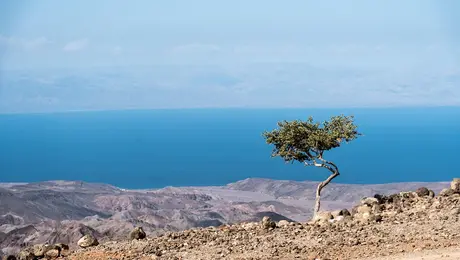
(64, 249)
(422, 192)
(344, 212)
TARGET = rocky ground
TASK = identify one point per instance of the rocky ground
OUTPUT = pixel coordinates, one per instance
(62, 211)
(407, 225)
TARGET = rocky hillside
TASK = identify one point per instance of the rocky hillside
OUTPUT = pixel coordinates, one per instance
(62, 211)
(378, 226)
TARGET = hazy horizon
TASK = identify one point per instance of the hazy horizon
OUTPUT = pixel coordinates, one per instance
(114, 55)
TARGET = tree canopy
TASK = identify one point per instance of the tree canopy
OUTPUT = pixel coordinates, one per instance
(305, 141)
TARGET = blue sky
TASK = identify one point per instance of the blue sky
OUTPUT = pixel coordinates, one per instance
(399, 47)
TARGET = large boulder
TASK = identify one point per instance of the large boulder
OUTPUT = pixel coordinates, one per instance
(455, 185)
(137, 233)
(87, 241)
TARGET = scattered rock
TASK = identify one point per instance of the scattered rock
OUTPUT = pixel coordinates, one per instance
(26, 254)
(369, 201)
(446, 192)
(341, 212)
(283, 223)
(137, 233)
(455, 185)
(363, 209)
(40, 250)
(52, 253)
(323, 216)
(402, 222)
(267, 223)
(87, 241)
(250, 225)
(422, 192)
(64, 249)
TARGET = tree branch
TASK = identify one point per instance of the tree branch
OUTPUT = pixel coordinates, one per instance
(320, 157)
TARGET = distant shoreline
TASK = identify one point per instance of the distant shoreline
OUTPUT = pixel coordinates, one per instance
(70, 182)
(229, 108)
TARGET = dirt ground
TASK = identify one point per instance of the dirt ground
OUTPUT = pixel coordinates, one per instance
(438, 254)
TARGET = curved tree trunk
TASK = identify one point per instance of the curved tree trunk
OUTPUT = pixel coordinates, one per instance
(334, 173)
(320, 187)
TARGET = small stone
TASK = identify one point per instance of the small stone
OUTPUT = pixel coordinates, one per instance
(446, 192)
(40, 250)
(455, 211)
(137, 233)
(341, 212)
(267, 223)
(364, 209)
(87, 241)
(25, 255)
(323, 216)
(455, 185)
(422, 192)
(64, 249)
(283, 223)
(369, 201)
(375, 218)
(53, 253)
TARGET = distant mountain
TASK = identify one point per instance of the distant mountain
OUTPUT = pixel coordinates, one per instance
(61, 211)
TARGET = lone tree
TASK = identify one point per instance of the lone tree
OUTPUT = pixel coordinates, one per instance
(306, 142)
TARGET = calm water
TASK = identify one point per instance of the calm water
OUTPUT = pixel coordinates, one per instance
(139, 149)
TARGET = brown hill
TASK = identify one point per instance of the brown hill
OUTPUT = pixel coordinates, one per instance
(391, 226)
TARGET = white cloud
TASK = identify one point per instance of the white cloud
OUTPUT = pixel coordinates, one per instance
(76, 45)
(22, 43)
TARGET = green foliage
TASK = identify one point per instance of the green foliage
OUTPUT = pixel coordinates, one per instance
(305, 141)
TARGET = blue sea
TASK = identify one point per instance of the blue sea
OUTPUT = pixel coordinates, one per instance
(157, 148)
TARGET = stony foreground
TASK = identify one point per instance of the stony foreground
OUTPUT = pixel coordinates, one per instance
(409, 222)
